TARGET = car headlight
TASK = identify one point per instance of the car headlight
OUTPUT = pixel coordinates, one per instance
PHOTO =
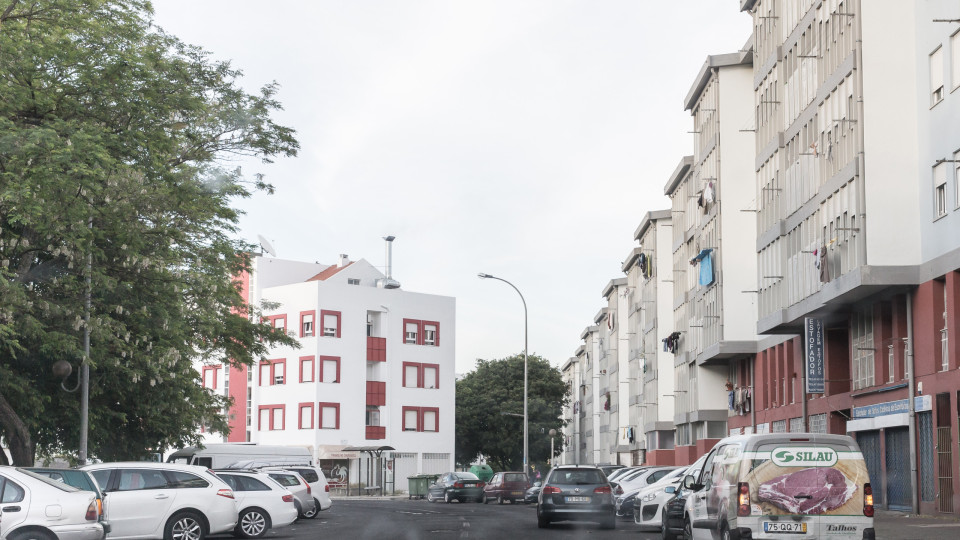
(651, 496)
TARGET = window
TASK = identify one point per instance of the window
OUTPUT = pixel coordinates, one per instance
(329, 369)
(353, 281)
(137, 479)
(421, 419)
(306, 369)
(278, 321)
(417, 332)
(306, 416)
(329, 415)
(182, 480)
(940, 190)
(272, 418)
(417, 375)
(955, 59)
(306, 323)
(373, 416)
(11, 492)
(956, 174)
(272, 372)
(210, 377)
(411, 331)
(936, 76)
(331, 323)
(891, 363)
(862, 344)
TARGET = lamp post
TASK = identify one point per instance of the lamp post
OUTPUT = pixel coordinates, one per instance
(481, 275)
(553, 433)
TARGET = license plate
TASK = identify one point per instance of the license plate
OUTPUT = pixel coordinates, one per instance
(784, 527)
(517, 493)
(577, 499)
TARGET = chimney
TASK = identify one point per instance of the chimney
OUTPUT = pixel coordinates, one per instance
(344, 260)
(388, 282)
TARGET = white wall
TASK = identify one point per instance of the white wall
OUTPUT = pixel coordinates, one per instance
(666, 408)
(890, 91)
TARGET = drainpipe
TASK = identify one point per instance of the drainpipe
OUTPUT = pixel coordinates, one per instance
(912, 415)
(753, 398)
(803, 389)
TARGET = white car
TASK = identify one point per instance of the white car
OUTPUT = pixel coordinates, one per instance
(38, 508)
(648, 506)
(318, 486)
(164, 500)
(264, 504)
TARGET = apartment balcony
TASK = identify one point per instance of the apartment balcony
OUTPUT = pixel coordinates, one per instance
(376, 394)
(376, 349)
(376, 432)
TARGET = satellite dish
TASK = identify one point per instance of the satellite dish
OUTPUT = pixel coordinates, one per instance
(266, 246)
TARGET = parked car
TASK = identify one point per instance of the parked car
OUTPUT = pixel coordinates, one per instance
(147, 500)
(38, 508)
(78, 479)
(505, 486)
(615, 484)
(613, 476)
(648, 506)
(263, 503)
(533, 493)
(607, 469)
(319, 487)
(626, 501)
(808, 484)
(298, 486)
(459, 486)
(576, 493)
(672, 517)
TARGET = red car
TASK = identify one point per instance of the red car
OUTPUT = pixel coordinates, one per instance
(505, 486)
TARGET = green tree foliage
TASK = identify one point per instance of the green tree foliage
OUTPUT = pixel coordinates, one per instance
(114, 141)
(496, 387)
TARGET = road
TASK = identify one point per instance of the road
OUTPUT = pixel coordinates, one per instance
(403, 519)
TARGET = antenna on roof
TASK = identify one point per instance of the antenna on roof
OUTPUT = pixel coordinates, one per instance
(266, 246)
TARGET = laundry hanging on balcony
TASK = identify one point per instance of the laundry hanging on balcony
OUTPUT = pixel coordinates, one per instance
(705, 259)
(671, 343)
(646, 265)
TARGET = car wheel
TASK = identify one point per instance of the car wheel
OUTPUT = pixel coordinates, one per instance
(310, 514)
(609, 523)
(430, 498)
(447, 497)
(499, 499)
(724, 531)
(31, 535)
(483, 498)
(542, 521)
(299, 508)
(252, 523)
(665, 533)
(184, 526)
(687, 529)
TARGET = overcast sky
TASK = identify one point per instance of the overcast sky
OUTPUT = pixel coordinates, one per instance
(524, 139)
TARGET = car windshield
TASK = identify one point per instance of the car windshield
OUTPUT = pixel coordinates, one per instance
(577, 476)
(55, 483)
(72, 477)
(285, 480)
(515, 477)
(466, 476)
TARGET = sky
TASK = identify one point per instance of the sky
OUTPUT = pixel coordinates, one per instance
(525, 139)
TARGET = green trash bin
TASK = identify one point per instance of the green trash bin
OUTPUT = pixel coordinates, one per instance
(483, 472)
(417, 484)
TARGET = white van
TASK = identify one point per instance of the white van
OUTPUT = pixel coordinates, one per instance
(800, 485)
(241, 455)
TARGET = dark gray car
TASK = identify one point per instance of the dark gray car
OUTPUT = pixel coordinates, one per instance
(576, 493)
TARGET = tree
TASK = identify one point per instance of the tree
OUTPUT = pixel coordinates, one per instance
(114, 145)
(490, 397)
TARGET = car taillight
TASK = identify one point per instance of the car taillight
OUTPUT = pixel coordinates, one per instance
(327, 488)
(618, 491)
(554, 489)
(743, 499)
(99, 507)
(92, 514)
(605, 489)
(228, 493)
(288, 498)
(481, 484)
(309, 489)
(867, 500)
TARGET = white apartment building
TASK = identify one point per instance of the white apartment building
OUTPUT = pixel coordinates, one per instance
(375, 367)
(615, 374)
(570, 371)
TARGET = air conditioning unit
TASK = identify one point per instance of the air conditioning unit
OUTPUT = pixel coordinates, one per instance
(278, 379)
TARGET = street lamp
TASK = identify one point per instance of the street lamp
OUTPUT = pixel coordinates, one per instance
(553, 433)
(481, 275)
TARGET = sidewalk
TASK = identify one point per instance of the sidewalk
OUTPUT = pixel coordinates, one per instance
(901, 526)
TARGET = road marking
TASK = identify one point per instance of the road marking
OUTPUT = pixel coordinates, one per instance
(938, 525)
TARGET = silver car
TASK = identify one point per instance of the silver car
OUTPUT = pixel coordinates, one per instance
(302, 492)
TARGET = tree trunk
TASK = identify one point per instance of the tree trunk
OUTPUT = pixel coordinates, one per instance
(22, 448)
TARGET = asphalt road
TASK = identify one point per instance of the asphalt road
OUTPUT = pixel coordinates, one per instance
(404, 519)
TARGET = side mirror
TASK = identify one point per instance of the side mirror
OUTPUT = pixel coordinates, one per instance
(688, 482)
(670, 489)
(537, 484)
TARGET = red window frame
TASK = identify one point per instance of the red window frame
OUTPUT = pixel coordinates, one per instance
(300, 409)
(272, 319)
(421, 375)
(320, 360)
(403, 419)
(272, 365)
(303, 360)
(436, 411)
(203, 377)
(323, 315)
(436, 333)
(314, 331)
(283, 417)
(403, 337)
(324, 405)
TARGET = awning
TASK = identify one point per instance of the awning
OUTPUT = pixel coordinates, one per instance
(372, 450)
(333, 451)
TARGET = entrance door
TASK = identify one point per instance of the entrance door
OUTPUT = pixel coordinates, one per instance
(897, 459)
(944, 455)
(869, 442)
